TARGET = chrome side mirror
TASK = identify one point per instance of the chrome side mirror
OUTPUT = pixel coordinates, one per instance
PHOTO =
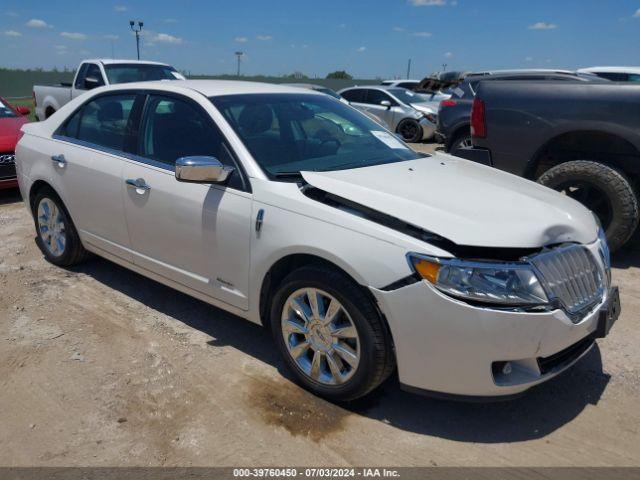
(385, 103)
(202, 170)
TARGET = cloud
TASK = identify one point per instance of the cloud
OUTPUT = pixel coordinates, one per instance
(264, 37)
(11, 14)
(12, 33)
(111, 37)
(448, 55)
(428, 3)
(120, 8)
(361, 49)
(61, 49)
(637, 14)
(528, 59)
(543, 26)
(421, 34)
(73, 35)
(36, 23)
(342, 25)
(241, 39)
(166, 38)
(398, 29)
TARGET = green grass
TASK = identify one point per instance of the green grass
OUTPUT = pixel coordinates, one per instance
(27, 102)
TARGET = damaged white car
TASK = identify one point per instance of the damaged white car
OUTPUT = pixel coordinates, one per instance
(290, 209)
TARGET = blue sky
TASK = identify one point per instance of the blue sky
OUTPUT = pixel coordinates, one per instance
(367, 38)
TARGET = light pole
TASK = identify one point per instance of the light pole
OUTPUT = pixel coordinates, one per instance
(239, 55)
(444, 67)
(409, 69)
(137, 31)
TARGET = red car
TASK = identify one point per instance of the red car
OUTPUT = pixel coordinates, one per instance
(11, 119)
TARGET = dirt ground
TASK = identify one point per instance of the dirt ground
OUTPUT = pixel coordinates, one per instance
(102, 367)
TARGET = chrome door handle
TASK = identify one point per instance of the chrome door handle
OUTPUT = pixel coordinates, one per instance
(59, 160)
(139, 184)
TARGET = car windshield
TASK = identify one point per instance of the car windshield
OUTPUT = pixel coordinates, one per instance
(289, 133)
(406, 96)
(131, 72)
(328, 91)
(6, 111)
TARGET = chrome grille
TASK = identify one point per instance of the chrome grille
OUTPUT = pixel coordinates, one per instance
(571, 276)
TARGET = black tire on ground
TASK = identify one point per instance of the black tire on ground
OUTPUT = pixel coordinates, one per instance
(73, 252)
(410, 130)
(377, 360)
(462, 140)
(603, 189)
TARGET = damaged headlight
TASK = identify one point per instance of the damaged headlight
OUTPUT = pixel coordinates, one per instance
(511, 284)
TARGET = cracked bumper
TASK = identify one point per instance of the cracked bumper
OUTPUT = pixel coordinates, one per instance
(447, 346)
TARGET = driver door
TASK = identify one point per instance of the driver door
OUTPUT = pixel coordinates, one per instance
(197, 235)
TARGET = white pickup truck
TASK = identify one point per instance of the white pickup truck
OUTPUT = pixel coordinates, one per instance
(96, 73)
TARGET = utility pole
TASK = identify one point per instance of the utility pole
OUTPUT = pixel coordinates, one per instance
(409, 69)
(239, 55)
(137, 32)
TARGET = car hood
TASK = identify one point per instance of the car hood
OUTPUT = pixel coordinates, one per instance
(10, 132)
(465, 202)
(427, 107)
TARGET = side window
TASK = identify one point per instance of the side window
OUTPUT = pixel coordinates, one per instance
(82, 72)
(614, 76)
(174, 128)
(374, 97)
(93, 71)
(104, 121)
(407, 85)
(356, 95)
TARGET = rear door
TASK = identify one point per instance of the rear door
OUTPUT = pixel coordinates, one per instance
(87, 165)
(197, 235)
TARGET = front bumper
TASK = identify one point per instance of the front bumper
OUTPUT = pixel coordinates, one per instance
(428, 129)
(447, 346)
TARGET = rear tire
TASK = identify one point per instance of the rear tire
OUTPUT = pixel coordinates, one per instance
(410, 130)
(358, 320)
(604, 190)
(463, 140)
(56, 235)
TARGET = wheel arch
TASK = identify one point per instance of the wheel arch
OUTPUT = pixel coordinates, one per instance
(290, 262)
(606, 147)
(36, 187)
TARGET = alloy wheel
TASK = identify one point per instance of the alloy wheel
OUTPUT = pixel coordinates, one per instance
(51, 228)
(320, 336)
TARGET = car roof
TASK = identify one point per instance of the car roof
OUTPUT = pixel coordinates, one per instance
(311, 86)
(111, 61)
(635, 70)
(216, 88)
(523, 71)
(400, 80)
(384, 88)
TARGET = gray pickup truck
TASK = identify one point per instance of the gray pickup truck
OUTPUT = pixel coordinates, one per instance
(582, 139)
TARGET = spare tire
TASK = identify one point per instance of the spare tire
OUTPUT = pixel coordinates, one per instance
(604, 190)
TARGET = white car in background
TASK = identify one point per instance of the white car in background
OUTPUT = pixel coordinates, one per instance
(96, 73)
(615, 74)
(358, 253)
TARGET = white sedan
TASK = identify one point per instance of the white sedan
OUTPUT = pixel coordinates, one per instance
(292, 210)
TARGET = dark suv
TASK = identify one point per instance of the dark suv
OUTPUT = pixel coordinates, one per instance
(454, 114)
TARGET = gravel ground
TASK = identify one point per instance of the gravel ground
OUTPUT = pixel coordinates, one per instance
(100, 366)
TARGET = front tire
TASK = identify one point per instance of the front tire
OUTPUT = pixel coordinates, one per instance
(410, 130)
(57, 236)
(604, 190)
(330, 334)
